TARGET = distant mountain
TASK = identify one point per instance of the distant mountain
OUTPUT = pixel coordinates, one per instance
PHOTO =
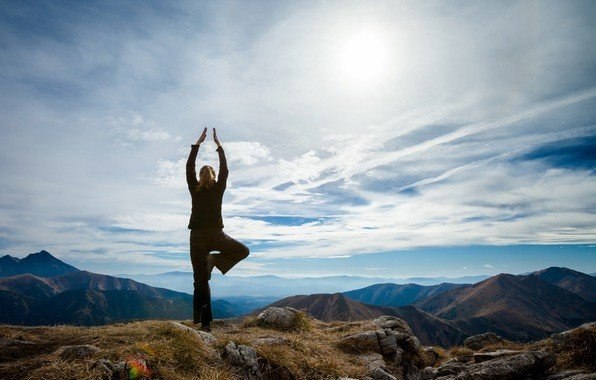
(337, 307)
(578, 283)
(516, 307)
(246, 304)
(41, 264)
(398, 295)
(276, 286)
(86, 298)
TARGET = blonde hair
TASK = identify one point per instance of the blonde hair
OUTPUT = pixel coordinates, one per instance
(206, 177)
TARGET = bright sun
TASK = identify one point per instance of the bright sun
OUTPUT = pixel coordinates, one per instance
(363, 59)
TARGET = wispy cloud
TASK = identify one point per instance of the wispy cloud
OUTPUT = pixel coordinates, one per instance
(457, 145)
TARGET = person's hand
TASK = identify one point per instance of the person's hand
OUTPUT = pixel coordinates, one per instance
(215, 138)
(203, 136)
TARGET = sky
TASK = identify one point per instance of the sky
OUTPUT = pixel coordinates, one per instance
(391, 139)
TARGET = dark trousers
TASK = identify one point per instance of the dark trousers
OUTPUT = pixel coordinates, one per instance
(202, 242)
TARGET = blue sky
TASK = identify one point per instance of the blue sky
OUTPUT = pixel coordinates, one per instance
(371, 138)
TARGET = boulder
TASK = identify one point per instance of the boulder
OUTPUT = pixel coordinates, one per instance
(200, 335)
(480, 357)
(270, 340)
(379, 373)
(243, 359)
(560, 339)
(450, 368)
(525, 365)
(387, 341)
(281, 317)
(393, 323)
(429, 373)
(477, 342)
(364, 341)
(76, 352)
(373, 360)
(571, 375)
(408, 342)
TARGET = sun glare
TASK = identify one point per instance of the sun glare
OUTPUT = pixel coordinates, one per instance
(363, 59)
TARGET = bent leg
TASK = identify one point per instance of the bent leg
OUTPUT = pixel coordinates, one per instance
(231, 252)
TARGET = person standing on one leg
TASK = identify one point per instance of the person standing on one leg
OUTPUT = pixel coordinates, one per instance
(206, 230)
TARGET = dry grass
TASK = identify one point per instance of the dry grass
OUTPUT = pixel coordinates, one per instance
(579, 351)
(171, 353)
(310, 350)
(308, 353)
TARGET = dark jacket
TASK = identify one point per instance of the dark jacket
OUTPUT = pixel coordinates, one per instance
(206, 203)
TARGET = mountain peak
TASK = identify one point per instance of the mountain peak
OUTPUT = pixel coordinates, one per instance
(41, 264)
(41, 254)
(9, 259)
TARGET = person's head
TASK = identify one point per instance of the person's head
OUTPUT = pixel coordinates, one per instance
(206, 177)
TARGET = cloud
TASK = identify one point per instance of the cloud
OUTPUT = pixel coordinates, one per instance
(133, 127)
(480, 134)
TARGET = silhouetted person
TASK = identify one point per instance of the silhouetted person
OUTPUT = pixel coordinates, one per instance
(206, 230)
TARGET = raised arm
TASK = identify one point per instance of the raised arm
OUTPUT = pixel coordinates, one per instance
(191, 174)
(222, 177)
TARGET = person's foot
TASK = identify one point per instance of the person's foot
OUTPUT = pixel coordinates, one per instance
(205, 327)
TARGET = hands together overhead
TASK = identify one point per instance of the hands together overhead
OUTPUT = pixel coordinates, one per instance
(204, 135)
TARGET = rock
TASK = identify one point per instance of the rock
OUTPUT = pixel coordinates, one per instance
(398, 357)
(429, 355)
(365, 341)
(379, 373)
(450, 368)
(201, 335)
(409, 343)
(387, 341)
(480, 357)
(78, 351)
(244, 359)
(560, 339)
(106, 367)
(271, 340)
(429, 373)
(393, 323)
(5, 342)
(477, 342)
(373, 360)
(121, 371)
(524, 365)
(571, 375)
(281, 317)
(412, 373)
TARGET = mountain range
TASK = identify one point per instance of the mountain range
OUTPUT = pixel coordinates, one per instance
(44, 290)
(40, 289)
(524, 307)
(276, 286)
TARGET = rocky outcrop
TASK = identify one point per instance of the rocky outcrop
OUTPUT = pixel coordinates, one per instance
(562, 338)
(392, 342)
(479, 341)
(522, 365)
